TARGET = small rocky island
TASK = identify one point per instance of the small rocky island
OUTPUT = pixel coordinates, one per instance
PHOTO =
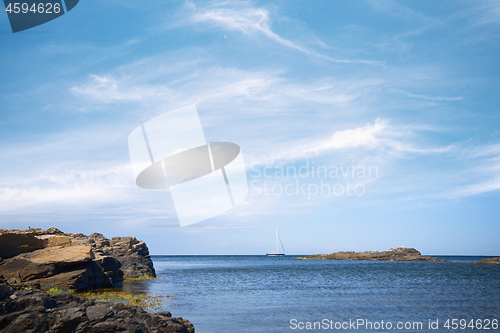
(35, 261)
(488, 261)
(395, 254)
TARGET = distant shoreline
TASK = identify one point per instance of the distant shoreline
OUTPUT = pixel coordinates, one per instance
(302, 255)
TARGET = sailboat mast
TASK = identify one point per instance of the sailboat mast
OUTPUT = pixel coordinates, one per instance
(277, 248)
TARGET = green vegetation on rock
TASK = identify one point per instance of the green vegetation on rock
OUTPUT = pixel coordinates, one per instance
(53, 291)
(112, 295)
(141, 278)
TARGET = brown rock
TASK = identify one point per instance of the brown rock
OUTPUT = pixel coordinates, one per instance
(488, 261)
(74, 267)
(85, 261)
(60, 256)
(395, 254)
(55, 240)
(12, 244)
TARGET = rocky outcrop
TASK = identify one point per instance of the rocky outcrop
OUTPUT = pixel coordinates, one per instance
(35, 311)
(132, 254)
(75, 267)
(488, 261)
(53, 259)
(395, 254)
(12, 244)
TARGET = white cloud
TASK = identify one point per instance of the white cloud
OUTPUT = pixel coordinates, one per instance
(474, 189)
(380, 136)
(65, 187)
(106, 89)
(251, 21)
(487, 12)
(213, 85)
(432, 98)
(162, 83)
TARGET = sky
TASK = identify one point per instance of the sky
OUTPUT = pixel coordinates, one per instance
(364, 125)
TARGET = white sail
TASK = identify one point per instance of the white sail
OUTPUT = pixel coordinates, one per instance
(278, 242)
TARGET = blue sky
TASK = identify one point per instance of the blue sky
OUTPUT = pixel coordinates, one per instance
(409, 89)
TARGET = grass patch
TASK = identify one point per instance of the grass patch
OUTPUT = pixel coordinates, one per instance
(109, 295)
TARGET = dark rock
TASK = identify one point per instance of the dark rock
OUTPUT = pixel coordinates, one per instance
(395, 254)
(12, 244)
(99, 312)
(35, 311)
(133, 256)
(5, 291)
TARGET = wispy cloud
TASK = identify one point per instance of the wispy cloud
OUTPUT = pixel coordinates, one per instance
(137, 83)
(275, 113)
(106, 89)
(483, 170)
(253, 22)
(377, 136)
(383, 139)
(65, 187)
(474, 189)
(488, 12)
(431, 98)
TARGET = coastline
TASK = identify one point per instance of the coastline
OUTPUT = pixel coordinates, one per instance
(57, 273)
(45, 273)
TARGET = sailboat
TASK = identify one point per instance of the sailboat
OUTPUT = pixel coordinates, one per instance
(277, 252)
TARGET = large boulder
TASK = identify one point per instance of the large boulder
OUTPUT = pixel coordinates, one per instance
(75, 267)
(35, 311)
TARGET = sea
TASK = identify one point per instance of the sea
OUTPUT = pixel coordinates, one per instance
(285, 294)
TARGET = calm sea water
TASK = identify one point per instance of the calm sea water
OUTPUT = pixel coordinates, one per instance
(263, 294)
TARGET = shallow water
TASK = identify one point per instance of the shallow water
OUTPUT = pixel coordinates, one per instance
(262, 294)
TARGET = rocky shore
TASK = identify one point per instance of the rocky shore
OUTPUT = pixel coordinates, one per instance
(35, 311)
(35, 261)
(488, 261)
(395, 254)
(45, 259)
